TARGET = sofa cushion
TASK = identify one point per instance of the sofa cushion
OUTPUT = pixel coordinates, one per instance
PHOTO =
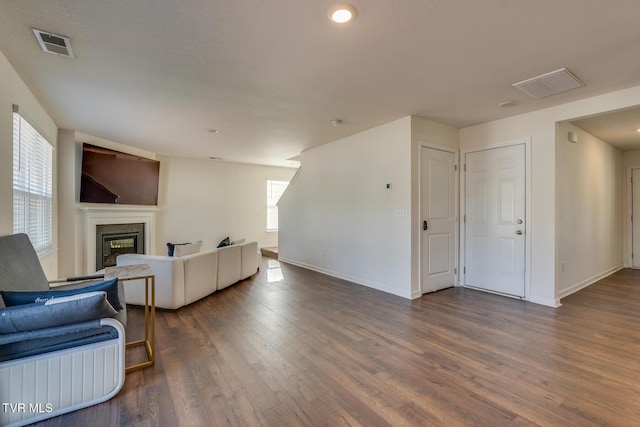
(224, 242)
(229, 266)
(171, 247)
(200, 275)
(187, 249)
(110, 286)
(56, 312)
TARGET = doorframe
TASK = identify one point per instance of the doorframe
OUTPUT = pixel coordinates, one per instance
(628, 261)
(527, 201)
(456, 196)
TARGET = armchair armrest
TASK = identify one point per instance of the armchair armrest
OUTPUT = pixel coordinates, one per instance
(78, 278)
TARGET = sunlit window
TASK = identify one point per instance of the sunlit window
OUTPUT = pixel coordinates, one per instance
(32, 184)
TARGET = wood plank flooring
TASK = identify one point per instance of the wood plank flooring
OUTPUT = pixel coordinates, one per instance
(318, 351)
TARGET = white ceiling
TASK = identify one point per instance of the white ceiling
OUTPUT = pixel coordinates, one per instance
(272, 74)
(618, 128)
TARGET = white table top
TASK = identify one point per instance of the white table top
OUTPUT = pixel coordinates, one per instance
(137, 271)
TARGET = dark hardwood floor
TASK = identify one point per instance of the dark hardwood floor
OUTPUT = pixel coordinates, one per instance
(318, 351)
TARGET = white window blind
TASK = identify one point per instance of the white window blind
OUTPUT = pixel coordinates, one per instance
(32, 184)
(275, 189)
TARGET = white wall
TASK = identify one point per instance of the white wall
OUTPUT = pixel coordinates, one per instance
(210, 200)
(588, 209)
(338, 217)
(69, 219)
(539, 126)
(14, 91)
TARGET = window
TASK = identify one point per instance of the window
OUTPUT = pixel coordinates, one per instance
(275, 189)
(32, 184)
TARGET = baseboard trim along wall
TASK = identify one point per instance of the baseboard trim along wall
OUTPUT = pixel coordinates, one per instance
(356, 280)
(549, 302)
(591, 280)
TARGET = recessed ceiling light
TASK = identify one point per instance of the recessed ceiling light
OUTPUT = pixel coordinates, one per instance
(507, 104)
(337, 122)
(213, 131)
(215, 158)
(342, 13)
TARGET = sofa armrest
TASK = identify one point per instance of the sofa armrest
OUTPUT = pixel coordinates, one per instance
(250, 259)
(169, 280)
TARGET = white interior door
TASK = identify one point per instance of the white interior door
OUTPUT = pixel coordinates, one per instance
(438, 237)
(495, 219)
(635, 212)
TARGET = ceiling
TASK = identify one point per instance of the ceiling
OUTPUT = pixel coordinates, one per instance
(271, 75)
(618, 128)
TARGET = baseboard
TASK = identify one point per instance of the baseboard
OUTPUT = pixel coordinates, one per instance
(591, 280)
(549, 302)
(357, 280)
(416, 294)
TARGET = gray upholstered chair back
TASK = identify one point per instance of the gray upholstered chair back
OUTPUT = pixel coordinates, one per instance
(20, 268)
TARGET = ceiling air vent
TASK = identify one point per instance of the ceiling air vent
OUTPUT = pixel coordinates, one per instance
(53, 43)
(549, 84)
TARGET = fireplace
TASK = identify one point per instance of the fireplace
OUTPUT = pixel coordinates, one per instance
(94, 216)
(115, 239)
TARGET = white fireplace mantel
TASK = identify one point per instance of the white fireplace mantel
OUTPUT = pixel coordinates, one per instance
(94, 216)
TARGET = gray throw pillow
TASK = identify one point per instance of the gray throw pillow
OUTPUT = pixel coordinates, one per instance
(225, 242)
(110, 286)
(57, 312)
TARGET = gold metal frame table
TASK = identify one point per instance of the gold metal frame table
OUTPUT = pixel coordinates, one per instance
(126, 273)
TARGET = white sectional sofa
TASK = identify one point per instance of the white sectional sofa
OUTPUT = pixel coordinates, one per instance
(185, 279)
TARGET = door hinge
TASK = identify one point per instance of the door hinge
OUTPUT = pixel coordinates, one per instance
(464, 270)
(455, 271)
(465, 167)
(464, 218)
(455, 168)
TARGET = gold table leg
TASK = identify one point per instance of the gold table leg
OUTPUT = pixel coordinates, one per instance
(149, 340)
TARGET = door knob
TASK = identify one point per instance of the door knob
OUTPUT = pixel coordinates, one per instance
(424, 225)
(519, 232)
(519, 221)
